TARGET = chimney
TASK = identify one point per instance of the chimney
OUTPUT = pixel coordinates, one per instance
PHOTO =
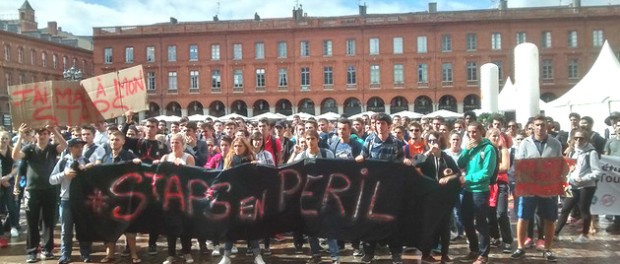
(503, 4)
(576, 3)
(362, 9)
(298, 12)
(256, 16)
(215, 18)
(432, 7)
(52, 28)
(173, 20)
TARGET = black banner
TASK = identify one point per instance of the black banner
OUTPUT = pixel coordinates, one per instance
(370, 201)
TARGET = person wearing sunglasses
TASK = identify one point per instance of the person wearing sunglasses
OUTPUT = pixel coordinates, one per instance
(582, 179)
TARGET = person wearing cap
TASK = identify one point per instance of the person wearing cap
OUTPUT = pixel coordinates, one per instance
(39, 159)
(64, 172)
(611, 121)
(382, 145)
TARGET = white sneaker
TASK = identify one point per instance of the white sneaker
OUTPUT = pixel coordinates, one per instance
(216, 251)
(581, 239)
(225, 260)
(14, 232)
(169, 260)
(189, 258)
(259, 260)
(234, 250)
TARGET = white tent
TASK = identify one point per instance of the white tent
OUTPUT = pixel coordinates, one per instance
(199, 117)
(302, 115)
(231, 116)
(268, 115)
(328, 116)
(507, 98)
(369, 113)
(595, 95)
(168, 118)
(410, 114)
(447, 114)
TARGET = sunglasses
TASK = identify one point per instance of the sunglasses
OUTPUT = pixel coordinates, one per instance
(414, 130)
(578, 138)
(432, 140)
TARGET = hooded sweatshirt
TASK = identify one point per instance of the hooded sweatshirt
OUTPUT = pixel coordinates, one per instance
(479, 163)
(587, 168)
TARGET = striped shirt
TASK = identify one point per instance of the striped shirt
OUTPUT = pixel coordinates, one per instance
(389, 150)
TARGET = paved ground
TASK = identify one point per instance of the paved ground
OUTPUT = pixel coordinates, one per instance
(603, 248)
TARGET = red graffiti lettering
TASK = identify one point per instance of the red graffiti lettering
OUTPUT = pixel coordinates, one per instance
(306, 193)
(215, 204)
(371, 214)
(172, 191)
(39, 97)
(200, 196)
(332, 191)
(100, 88)
(21, 95)
(42, 114)
(102, 106)
(154, 179)
(252, 208)
(116, 212)
(285, 192)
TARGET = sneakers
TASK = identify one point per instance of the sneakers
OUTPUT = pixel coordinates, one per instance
(428, 259)
(367, 258)
(507, 248)
(481, 260)
(267, 252)
(357, 252)
(152, 250)
(540, 245)
(549, 256)
(225, 260)
(14, 232)
(472, 256)
(169, 260)
(518, 254)
(259, 260)
(188, 258)
(446, 260)
(581, 239)
(234, 250)
(279, 237)
(248, 252)
(45, 255)
(216, 251)
(528, 242)
(314, 260)
(495, 242)
(63, 261)
(32, 258)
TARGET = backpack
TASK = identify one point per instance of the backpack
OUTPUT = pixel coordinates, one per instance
(90, 151)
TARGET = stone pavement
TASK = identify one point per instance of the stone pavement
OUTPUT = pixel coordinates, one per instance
(602, 248)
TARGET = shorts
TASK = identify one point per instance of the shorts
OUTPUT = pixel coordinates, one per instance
(547, 207)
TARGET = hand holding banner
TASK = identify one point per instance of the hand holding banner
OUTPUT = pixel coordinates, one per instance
(540, 176)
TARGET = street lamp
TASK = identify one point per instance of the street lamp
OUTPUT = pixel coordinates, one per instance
(72, 74)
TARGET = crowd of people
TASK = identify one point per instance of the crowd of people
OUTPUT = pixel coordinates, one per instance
(38, 165)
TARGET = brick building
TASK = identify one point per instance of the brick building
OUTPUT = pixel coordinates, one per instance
(30, 54)
(420, 61)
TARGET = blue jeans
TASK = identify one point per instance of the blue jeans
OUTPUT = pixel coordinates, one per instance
(458, 224)
(331, 243)
(11, 204)
(476, 206)
(66, 233)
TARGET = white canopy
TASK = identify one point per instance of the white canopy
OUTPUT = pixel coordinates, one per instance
(268, 115)
(444, 113)
(507, 98)
(231, 116)
(329, 116)
(199, 117)
(302, 115)
(168, 118)
(369, 113)
(410, 114)
(595, 95)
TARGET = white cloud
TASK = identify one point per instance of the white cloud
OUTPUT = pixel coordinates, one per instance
(79, 17)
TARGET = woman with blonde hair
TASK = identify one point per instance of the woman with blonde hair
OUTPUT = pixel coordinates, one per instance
(240, 153)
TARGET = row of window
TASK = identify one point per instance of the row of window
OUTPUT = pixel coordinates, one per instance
(350, 46)
(21, 58)
(351, 75)
(22, 78)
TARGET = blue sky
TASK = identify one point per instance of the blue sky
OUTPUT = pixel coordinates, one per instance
(79, 16)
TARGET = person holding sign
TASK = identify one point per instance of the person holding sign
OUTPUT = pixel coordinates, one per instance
(582, 179)
(479, 160)
(538, 145)
(40, 159)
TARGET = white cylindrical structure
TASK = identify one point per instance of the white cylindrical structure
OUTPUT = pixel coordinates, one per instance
(489, 87)
(527, 81)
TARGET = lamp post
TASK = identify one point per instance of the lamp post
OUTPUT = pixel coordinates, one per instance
(72, 74)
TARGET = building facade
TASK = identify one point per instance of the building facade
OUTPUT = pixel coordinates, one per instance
(410, 61)
(35, 55)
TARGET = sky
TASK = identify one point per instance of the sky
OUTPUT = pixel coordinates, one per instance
(80, 16)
